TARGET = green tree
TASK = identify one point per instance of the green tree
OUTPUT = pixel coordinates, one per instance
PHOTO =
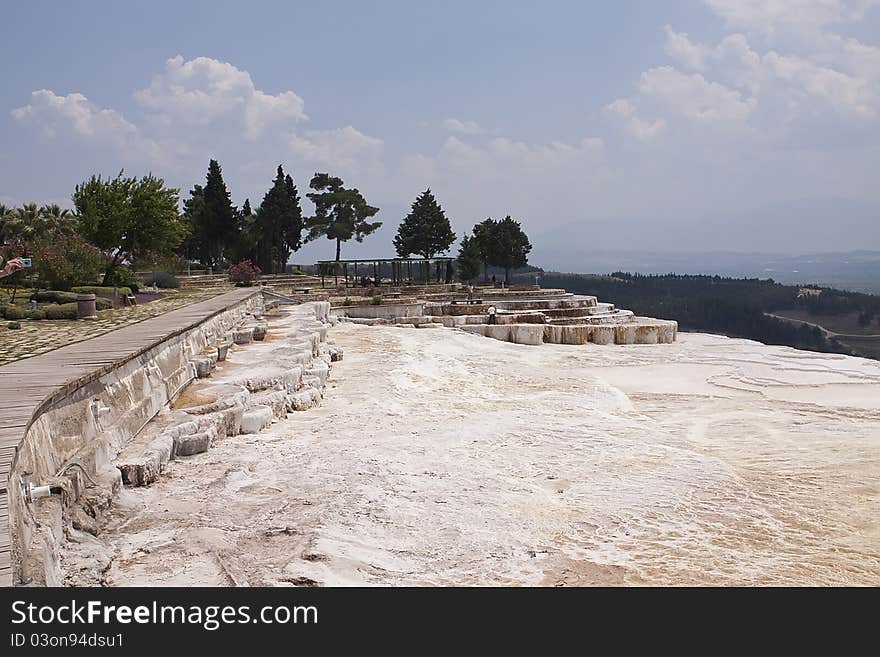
(245, 242)
(129, 217)
(212, 218)
(425, 231)
(219, 217)
(470, 259)
(340, 213)
(4, 212)
(510, 246)
(292, 227)
(194, 217)
(29, 223)
(485, 243)
(278, 224)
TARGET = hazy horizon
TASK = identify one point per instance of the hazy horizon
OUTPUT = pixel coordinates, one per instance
(694, 125)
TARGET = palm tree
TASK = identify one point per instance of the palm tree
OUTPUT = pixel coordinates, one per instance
(30, 222)
(55, 212)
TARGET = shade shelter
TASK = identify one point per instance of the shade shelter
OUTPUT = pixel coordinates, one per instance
(400, 271)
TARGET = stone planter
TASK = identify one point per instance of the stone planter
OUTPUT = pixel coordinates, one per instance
(85, 306)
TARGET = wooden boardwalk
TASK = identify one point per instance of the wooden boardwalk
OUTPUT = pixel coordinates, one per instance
(29, 386)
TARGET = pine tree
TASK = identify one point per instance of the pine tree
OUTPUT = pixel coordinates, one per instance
(425, 231)
(340, 213)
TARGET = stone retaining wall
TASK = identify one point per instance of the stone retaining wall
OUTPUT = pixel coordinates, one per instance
(87, 426)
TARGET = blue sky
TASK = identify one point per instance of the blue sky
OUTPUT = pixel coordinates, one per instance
(677, 126)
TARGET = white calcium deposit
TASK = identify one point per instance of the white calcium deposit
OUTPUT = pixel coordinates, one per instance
(442, 458)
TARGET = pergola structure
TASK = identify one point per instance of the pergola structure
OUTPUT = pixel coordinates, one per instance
(403, 270)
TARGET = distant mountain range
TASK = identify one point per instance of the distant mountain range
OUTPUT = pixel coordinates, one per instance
(857, 271)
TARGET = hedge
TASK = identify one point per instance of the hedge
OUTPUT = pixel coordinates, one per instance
(37, 313)
(61, 311)
(14, 312)
(99, 289)
(53, 296)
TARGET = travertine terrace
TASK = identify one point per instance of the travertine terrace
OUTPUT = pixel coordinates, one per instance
(441, 458)
(525, 315)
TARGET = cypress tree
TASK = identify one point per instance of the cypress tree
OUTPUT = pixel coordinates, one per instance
(279, 224)
(292, 221)
(469, 259)
(485, 243)
(194, 217)
(219, 223)
(511, 246)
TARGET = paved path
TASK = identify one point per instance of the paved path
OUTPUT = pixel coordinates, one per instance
(38, 337)
(828, 332)
(28, 385)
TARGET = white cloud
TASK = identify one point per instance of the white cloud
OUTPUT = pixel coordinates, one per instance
(639, 128)
(49, 113)
(846, 94)
(463, 127)
(842, 73)
(204, 90)
(541, 184)
(341, 148)
(694, 97)
(773, 15)
(684, 51)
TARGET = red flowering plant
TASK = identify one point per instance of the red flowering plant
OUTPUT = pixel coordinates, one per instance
(62, 261)
(244, 273)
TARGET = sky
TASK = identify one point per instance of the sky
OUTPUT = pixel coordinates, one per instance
(688, 126)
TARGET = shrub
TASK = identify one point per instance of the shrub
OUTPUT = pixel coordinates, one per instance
(13, 325)
(347, 301)
(125, 277)
(53, 296)
(61, 311)
(62, 261)
(162, 279)
(14, 312)
(102, 303)
(100, 289)
(37, 313)
(377, 300)
(244, 273)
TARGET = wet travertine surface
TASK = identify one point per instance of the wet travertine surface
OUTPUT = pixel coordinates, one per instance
(440, 457)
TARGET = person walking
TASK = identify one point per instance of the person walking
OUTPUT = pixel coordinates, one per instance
(492, 312)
